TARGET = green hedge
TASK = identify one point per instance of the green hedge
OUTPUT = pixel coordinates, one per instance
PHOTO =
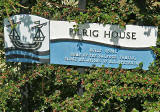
(53, 87)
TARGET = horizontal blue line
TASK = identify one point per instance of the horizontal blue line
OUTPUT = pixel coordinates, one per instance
(22, 60)
(26, 53)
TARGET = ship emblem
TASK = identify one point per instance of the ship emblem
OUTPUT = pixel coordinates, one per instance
(37, 39)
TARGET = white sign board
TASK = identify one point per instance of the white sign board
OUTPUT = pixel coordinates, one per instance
(37, 40)
(28, 40)
(132, 36)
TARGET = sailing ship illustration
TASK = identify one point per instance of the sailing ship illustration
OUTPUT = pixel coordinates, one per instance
(37, 39)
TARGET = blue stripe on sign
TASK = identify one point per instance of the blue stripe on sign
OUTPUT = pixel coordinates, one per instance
(26, 53)
(22, 60)
(88, 54)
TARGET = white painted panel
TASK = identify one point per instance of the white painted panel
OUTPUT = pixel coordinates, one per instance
(134, 36)
(26, 28)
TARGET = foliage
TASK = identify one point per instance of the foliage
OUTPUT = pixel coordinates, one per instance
(55, 88)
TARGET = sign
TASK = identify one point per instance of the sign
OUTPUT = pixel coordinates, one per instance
(98, 44)
(28, 41)
(39, 40)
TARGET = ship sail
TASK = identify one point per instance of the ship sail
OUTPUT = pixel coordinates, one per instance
(39, 35)
(14, 35)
